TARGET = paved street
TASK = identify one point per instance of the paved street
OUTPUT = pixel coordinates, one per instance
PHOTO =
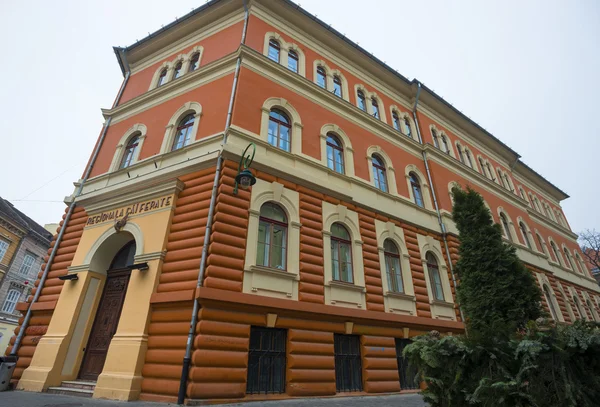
(28, 399)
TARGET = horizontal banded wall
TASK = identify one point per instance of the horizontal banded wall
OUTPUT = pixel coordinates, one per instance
(172, 306)
(46, 303)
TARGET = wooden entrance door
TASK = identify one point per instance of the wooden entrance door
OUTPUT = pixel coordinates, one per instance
(107, 316)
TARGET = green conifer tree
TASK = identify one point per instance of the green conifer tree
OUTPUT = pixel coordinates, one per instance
(497, 294)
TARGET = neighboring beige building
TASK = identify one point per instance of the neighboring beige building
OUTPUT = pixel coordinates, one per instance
(23, 245)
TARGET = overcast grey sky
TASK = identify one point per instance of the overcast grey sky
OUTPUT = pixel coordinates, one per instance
(527, 71)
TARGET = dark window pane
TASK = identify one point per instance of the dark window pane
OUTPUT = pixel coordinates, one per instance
(274, 50)
(293, 61)
(266, 361)
(321, 77)
(194, 62)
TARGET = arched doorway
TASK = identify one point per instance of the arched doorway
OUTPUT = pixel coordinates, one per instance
(109, 311)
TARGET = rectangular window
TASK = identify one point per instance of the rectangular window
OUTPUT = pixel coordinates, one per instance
(3, 248)
(27, 264)
(405, 373)
(266, 361)
(348, 368)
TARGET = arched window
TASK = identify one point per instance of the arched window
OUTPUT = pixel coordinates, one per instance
(569, 259)
(508, 186)
(293, 61)
(468, 155)
(500, 177)
(321, 77)
(183, 132)
(337, 86)
(436, 142)
(362, 103)
(11, 301)
(416, 188)
(489, 167)
(482, 165)
(194, 62)
(279, 129)
(522, 193)
(505, 227)
(162, 78)
(460, 153)
(580, 310)
(396, 120)
(274, 50)
(445, 144)
(177, 71)
(375, 106)
(129, 152)
(335, 153)
(548, 297)
(379, 175)
(591, 307)
(407, 128)
(524, 233)
(556, 254)
(536, 203)
(341, 253)
(272, 237)
(392, 266)
(434, 276)
(540, 242)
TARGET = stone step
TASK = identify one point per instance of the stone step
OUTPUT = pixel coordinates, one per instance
(79, 384)
(67, 391)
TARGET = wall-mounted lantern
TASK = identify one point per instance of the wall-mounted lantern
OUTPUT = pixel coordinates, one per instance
(244, 177)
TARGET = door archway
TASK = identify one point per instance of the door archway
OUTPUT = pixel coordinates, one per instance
(108, 313)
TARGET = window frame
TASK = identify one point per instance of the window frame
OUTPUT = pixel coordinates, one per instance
(25, 268)
(337, 84)
(556, 252)
(194, 65)
(4, 245)
(548, 297)
(333, 147)
(279, 124)
(162, 77)
(361, 100)
(339, 242)
(177, 71)
(525, 235)
(293, 56)
(505, 226)
(379, 178)
(415, 185)
(398, 281)
(129, 152)
(262, 219)
(10, 303)
(271, 360)
(432, 268)
(274, 45)
(347, 364)
(375, 106)
(184, 124)
(321, 75)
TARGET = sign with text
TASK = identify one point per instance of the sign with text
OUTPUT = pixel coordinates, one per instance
(134, 209)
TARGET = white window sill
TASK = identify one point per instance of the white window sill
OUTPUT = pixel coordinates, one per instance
(273, 271)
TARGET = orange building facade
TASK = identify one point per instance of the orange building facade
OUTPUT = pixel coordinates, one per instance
(310, 282)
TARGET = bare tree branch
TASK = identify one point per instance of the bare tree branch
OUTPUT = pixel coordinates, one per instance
(590, 246)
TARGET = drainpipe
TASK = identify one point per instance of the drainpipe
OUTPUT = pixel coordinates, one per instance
(435, 202)
(72, 205)
(187, 359)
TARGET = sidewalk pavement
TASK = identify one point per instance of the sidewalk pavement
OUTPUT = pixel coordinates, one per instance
(30, 399)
